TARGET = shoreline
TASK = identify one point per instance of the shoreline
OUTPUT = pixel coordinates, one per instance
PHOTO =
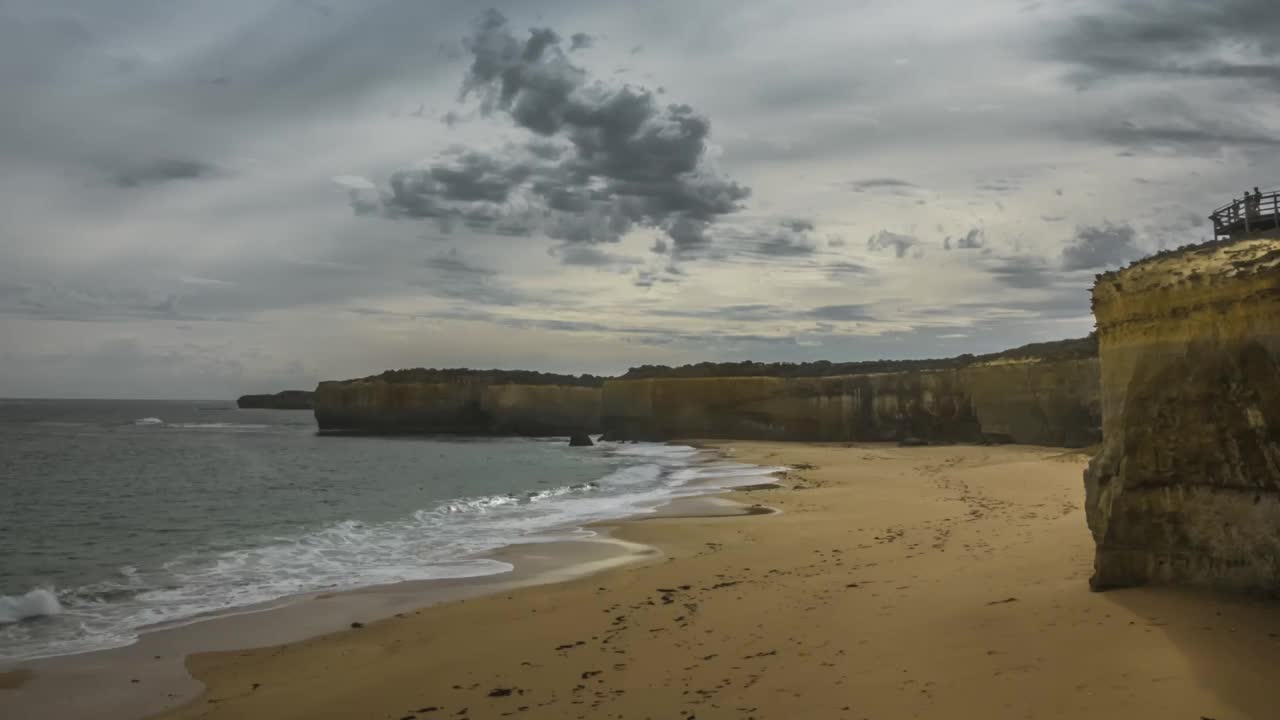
(938, 582)
(108, 680)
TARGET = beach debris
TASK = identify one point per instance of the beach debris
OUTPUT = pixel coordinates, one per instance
(431, 708)
(1003, 602)
(590, 674)
(357, 625)
(729, 583)
(501, 692)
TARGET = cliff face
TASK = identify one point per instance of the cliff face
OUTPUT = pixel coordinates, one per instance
(285, 400)
(1025, 401)
(467, 405)
(1186, 488)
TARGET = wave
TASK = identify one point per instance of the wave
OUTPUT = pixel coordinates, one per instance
(40, 602)
(148, 421)
(445, 539)
(218, 426)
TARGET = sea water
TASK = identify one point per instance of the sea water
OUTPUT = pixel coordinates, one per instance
(118, 515)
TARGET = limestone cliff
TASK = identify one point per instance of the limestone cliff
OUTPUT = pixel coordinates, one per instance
(1186, 488)
(284, 400)
(1026, 400)
(461, 401)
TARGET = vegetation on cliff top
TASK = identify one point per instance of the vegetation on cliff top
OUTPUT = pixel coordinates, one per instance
(490, 377)
(1074, 349)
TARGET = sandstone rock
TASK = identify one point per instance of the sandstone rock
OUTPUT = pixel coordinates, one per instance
(1186, 486)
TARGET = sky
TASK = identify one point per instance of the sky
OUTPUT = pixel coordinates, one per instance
(200, 199)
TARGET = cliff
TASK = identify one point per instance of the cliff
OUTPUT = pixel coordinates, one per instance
(461, 401)
(286, 400)
(1186, 487)
(1027, 400)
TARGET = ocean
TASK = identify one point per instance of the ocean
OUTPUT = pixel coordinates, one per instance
(118, 515)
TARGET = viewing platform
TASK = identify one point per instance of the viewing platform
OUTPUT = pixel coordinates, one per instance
(1252, 215)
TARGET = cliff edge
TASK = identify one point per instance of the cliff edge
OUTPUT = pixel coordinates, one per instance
(1043, 394)
(472, 402)
(1186, 487)
(284, 400)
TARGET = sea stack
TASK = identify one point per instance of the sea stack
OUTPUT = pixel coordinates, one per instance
(1186, 487)
(580, 439)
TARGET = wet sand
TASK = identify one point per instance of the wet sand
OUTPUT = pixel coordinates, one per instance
(939, 582)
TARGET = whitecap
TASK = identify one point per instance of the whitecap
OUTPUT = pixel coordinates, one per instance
(40, 602)
(148, 421)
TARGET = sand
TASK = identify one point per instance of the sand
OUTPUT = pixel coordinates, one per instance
(940, 582)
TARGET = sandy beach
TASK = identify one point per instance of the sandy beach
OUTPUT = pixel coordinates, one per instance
(938, 582)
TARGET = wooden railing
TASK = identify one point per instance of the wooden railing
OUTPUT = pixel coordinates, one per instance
(1247, 215)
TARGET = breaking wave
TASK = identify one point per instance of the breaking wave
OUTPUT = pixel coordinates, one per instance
(40, 602)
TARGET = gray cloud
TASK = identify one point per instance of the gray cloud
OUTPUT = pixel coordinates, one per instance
(589, 256)
(604, 158)
(581, 41)
(885, 239)
(1236, 39)
(839, 313)
(162, 171)
(975, 239)
(790, 238)
(1100, 246)
(887, 184)
(1025, 272)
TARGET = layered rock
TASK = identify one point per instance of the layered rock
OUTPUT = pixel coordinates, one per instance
(1025, 400)
(1186, 488)
(461, 401)
(284, 400)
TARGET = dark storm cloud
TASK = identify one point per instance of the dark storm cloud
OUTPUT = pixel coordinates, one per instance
(604, 159)
(581, 41)
(1100, 246)
(1023, 272)
(885, 240)
(838, 313)
(1192, 135)
(162, 171)
(1237, 39)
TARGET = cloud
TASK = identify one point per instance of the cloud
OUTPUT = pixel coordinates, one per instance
(888, 184)
(581, 41)
(1100, 246)
(885, 239)
(1025, 272)
(841, 313)
(975, 239)
(789, 238)
(590, 256)
(602, 159)
(158, 172)
(1227, 39)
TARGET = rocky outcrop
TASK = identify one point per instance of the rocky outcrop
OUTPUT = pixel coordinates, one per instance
(1027, 400)
(1186, 487)
(461, 401)
(285, 400)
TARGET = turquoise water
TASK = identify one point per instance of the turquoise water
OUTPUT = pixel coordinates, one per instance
(118, 515)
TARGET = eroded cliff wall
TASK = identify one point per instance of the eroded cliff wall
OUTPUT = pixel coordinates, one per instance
(1186, 488)
(462, 405)
(1025, 401)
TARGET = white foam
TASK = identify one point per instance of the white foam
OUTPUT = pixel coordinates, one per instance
(445, 540)
(39, 602)
(148, 421)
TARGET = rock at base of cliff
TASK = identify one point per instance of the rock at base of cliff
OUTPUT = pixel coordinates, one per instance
(580, 439)
(912, 442)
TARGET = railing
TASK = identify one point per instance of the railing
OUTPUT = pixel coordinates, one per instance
(1254, 212)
